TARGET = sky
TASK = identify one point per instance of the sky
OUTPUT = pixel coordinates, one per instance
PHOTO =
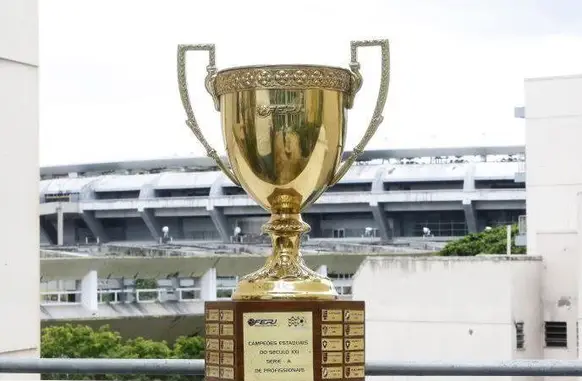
(108, 87)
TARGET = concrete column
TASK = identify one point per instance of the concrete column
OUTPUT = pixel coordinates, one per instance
(208, 285)
(470, 215)
(94, 225)
(468, 205)
(469, 180)
(322, 270)
(89, 286)
(151, 223)
(49, 229)
(220, 222)
(60, 225)
(384, 226)
(148, 216)
(217, 214)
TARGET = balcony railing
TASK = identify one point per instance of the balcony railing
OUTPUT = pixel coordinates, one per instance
(52, 298)
(154, 295)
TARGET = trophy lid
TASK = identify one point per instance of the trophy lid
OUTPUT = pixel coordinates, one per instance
(294, 76)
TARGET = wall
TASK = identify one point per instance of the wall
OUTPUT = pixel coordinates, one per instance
(553, 136)
(19, 227)
(455, 309)
(526, 301)
(553, 112)
(579, 267)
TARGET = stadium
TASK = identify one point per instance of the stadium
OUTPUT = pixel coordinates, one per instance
(388, 196)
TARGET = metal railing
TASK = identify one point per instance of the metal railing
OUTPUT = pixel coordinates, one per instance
(147, 295)
(562, 368)
(154, 295)
(56, 298)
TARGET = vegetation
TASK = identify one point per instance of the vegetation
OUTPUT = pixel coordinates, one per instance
(78, 341)
(492, 241)
(143, 284)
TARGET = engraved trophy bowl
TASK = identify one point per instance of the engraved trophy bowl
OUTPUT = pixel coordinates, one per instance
(284, 127)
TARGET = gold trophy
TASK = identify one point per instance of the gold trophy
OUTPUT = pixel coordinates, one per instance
(284, 127)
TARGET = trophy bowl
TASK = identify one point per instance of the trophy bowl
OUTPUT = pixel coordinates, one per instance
(284, 127)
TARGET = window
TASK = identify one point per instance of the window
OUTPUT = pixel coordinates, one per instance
(519, 336)
(339, 233)
(556, 334)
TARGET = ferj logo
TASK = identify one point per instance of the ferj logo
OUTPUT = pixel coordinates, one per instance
(262, 322)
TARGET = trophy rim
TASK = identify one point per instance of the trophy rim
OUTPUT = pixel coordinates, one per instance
(282, 77)
(282, 67)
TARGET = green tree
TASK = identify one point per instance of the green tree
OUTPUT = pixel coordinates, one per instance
(493, 241)
(189, 347)
(141, 348)
(78, 341)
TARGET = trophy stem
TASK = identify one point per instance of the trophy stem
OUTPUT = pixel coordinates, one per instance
(285, 274)
(286, 231)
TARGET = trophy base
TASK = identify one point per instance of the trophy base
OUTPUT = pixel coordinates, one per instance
(299, 340)
(262, 286)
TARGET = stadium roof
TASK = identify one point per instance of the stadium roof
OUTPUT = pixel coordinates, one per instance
(357, 174)
(205, 163)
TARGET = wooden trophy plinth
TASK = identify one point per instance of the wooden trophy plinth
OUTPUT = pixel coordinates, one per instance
(284, 340)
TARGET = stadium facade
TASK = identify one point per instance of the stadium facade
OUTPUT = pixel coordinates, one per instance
(388, 194)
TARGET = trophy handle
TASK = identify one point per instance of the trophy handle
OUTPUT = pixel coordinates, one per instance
(209, 84)
(356, 85)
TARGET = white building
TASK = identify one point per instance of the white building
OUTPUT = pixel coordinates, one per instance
(496, 307)
(458, 309)
(19, 231)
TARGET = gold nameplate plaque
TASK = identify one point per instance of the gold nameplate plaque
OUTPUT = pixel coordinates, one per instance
(278, 345)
